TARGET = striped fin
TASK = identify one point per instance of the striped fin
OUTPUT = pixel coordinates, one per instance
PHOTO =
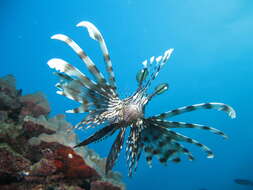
(99, 134)
(90, 121)
(174, 124)
(97, 101)
(71, 90)
(185, 151)
(106, 136)
(90, 65)
(151, 60)
(81, 109)
(96, 35)
(166, 56)
(145, 63)
(64, 67)
(89, 99)
(63, 76)
(134, 149)
(160, 61)
(69, 95)
(157, 143)
(180, 137)
(141, 76)
(161, 88)
(115, 150)
(217, 106)
(75, 90)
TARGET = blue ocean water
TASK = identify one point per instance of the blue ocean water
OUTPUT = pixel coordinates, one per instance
(212, 61)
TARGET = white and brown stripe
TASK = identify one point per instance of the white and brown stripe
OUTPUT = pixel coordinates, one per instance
(179, 137)
(115, 150)
(88, 62)
(62, 66)
(96, 35)
(174, 124)
(217, 106)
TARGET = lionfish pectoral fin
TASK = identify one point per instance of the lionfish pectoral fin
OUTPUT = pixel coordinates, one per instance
(165, 144)
(179, 137)
(134, 149)
(115, 150)
(212, 105)
(175, 124)
(98, 135)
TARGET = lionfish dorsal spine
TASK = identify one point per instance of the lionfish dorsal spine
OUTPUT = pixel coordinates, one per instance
(96, 35)
(84, 57)
(160, 61)
(64, 67)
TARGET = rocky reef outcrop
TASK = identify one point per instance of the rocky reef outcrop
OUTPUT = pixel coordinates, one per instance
(35, 150)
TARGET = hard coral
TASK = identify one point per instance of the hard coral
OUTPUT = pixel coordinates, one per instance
(65, 160)
(34, 129)
(11, 162)
(34, 104)
(36, 151)
(44, 167)
(9, 98)
(102, 185)
(72, 164)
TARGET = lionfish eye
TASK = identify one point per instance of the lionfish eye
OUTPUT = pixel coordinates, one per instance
(161, 88)
(142, 75)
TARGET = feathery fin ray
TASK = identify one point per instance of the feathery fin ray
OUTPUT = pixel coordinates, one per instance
(96, 35)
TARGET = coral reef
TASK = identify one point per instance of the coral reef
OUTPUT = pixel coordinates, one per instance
(35, 150)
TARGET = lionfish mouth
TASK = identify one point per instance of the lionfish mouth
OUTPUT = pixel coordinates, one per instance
(99, 99)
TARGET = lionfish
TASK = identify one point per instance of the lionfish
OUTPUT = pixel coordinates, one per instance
(99, 99)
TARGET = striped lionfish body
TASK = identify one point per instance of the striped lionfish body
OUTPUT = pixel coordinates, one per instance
(99, 99)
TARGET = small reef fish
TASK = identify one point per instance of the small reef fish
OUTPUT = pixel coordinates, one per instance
(100, 100)
(244, 182)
